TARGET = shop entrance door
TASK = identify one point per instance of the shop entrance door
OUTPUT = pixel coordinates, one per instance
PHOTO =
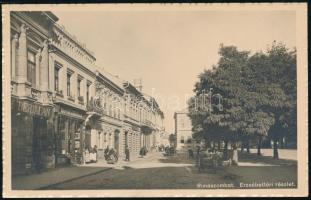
(39, 133)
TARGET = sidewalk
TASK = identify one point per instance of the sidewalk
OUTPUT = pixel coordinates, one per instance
(64, 174)
(53, 176)
(121, 162)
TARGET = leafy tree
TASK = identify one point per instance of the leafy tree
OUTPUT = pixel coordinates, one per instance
(258, 97)
(225, 79)
(275, 80)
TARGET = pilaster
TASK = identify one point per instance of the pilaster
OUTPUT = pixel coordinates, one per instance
(23, 86)
(14, 44)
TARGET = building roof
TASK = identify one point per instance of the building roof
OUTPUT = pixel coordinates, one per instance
(51, 15)
(110, 79)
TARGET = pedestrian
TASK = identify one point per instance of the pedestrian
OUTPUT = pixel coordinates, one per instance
(95, 152)
(87, 155)
(106, 152)
(127, 153)
(190, 153)
(198, 151)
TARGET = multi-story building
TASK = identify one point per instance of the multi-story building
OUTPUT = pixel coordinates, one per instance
(133, 133)
(54, 86)
(127, 117)
(153, 119)
(109, 95)
(72, 71)
(32, 115)
(183, 129)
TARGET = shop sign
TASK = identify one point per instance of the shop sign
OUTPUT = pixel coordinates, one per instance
(34, 109)
(71, 113)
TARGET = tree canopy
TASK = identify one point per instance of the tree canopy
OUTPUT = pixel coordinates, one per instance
(258, 95)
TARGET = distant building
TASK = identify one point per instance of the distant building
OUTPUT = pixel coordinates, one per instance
(183, 129)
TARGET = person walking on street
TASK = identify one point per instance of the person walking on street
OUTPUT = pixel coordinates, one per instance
(127, 153)
(106, 152)
(95, 153)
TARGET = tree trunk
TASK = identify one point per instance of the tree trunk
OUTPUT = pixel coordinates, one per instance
(242, 146)
(213, 146)
(282, 143)
(259, 146)
(247, 146)
(275, 149)
(226, 150)
(218, 145)
(235, 159)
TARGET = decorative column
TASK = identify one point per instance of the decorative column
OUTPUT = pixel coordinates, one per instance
(14, 43)
(44, 68)
(44, 74)
(23, 87)
(21, 72)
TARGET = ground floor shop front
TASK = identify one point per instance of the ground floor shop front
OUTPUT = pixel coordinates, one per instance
(70, 135)
(116, 137)
(32, 136)
(119, 137)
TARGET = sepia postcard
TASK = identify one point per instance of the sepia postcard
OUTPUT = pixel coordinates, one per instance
(155, 100)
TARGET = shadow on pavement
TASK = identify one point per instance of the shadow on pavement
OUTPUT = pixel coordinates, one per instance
(177, 159)
(143, 178)
(254, 158)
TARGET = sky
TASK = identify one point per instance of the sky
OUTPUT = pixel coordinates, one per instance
(169, 49)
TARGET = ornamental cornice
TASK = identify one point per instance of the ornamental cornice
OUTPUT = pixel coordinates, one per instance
(23, 18)
(73, 39)
(71, 60)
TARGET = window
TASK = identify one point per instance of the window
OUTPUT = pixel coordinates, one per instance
(79, 87)
(110, 110)
(31, 67)
(56, 76)
(68, 84)
(114, 111)
(182, 139)
(189, 140)
(87, 92)
(56, 79)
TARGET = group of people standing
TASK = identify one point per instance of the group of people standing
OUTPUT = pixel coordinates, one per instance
(91, 154)
(111, 155)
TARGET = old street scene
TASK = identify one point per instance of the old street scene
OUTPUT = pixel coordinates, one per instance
(153, 100)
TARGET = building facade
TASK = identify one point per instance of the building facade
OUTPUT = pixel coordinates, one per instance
(63, 104)
(109, 101)
(32, 113)
(183, 129)
(73, 84)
